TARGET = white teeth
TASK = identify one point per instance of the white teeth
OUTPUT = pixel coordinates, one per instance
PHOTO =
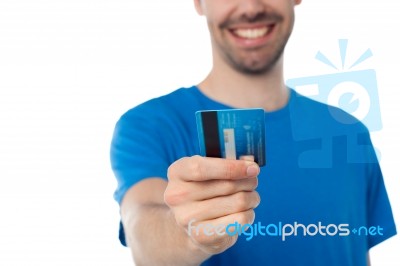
(252, 33)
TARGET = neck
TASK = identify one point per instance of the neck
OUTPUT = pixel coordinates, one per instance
(228, 86)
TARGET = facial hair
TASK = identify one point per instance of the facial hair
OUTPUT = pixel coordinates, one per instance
(256, 66)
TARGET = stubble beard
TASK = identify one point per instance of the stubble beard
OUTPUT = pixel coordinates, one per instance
(255, 66)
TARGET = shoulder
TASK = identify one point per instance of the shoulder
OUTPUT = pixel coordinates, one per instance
(166, 107)
(162, 103)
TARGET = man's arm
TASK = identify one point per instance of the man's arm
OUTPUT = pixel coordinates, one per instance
(203, 191)
(151, 230)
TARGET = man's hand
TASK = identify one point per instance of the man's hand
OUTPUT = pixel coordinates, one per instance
(212, 192)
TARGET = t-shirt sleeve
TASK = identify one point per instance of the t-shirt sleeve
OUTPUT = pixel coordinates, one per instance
(379, 212)
(137, 151)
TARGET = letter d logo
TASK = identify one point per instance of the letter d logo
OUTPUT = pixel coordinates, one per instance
(234, 231)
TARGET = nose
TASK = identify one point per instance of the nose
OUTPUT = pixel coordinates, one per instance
(251, 9)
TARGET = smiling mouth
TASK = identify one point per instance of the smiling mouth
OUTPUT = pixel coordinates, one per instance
(252, 33)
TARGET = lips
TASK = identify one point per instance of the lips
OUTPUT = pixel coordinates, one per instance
(252, 33)
(252, 36)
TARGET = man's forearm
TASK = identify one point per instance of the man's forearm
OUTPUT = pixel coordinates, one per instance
(155, 239)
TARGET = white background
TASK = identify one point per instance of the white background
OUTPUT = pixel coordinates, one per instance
(69, 69)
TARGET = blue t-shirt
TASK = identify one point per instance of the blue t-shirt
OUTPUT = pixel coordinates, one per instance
(322, 178)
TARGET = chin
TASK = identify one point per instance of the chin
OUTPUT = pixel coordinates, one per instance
(257, 67)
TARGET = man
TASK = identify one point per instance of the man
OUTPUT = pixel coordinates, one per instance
(173, 202)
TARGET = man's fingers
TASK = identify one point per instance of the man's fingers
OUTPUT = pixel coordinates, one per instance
(199, 168)
(216, 188)
(217, 207)
(208, 233)
(183, 192)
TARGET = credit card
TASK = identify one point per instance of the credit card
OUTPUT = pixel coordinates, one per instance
(232, 133)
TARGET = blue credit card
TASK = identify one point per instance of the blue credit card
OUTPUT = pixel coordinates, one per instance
(232, 133)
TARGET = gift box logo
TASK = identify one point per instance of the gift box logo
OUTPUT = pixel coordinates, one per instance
(354, 91)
